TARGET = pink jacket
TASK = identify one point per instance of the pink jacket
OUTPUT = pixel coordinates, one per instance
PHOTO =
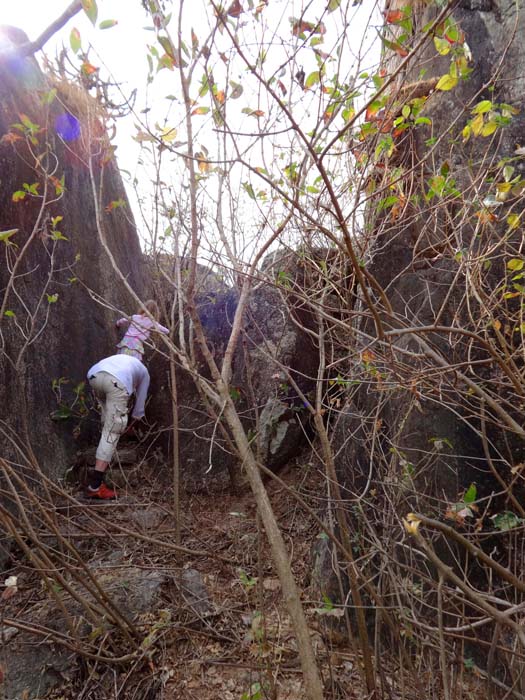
(140, 327)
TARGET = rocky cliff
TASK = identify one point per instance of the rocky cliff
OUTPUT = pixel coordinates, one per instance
(58, 288)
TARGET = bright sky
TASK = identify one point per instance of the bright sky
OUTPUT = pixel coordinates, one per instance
(121, 52)
(116, 49)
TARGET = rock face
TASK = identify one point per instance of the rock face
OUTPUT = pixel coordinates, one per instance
(438, 266)
(133, 590)
(432, 409)
(268, 405)
(58, 175)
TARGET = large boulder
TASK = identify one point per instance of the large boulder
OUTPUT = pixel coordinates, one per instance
(62, 195)
(272, 411)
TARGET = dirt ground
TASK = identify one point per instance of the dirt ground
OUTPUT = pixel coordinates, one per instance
(228, 635)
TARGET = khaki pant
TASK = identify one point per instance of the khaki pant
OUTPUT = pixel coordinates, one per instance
(113, 400)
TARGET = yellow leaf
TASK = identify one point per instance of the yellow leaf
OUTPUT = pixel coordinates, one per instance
(477, 125)
(489, 128)
(411, 523)
(496, 324)
(168, 134)
(447, 82)
(442, 46)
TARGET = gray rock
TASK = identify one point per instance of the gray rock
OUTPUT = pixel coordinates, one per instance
(78, 331)
(195, 592)
(279, 433)
(148, 519)
(36, 665)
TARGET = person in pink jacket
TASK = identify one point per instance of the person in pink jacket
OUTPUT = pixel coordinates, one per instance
(139, 329)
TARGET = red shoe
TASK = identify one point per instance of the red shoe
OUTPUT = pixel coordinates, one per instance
(103, 493)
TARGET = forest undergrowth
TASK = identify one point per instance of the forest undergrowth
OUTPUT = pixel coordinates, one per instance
(217, 626)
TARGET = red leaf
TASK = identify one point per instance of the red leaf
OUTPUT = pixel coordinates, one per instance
(10, 137)
(8, 592)
(400, 50)
(371, 112)
(393, 16)
(87, 68)
(235, 9)
(302, 27)
(386, 125)
(459, 39)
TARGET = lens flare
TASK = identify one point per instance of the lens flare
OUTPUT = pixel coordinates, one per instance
(67, 126)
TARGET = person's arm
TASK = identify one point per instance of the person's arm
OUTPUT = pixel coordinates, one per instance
(161, 329)
(140, 395)
(122, 322)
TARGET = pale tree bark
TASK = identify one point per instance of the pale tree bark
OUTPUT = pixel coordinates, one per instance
(32, 47)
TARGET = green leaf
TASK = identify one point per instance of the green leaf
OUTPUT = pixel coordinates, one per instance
(452, 32)
(312, 79)
(237, 90)
(29, 125)
(235, 394)
(32, 189)
(249, 189)
(62, 413)
(506, 520)
(6, 235)
(9, 313)
(58, 236)
(74, 40)
(91, 10)
(247, 581)
(48, 97)
(200, 111)
(513, 220)
(52, 298)
(166, 45)
(255, 692)
(482, 107)
(471, 494)
(108, 23)
(515, 264)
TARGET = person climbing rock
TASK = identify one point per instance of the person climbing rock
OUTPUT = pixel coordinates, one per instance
(113, 380)
(139, 329)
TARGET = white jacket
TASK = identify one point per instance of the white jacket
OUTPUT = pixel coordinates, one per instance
(131, 373)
